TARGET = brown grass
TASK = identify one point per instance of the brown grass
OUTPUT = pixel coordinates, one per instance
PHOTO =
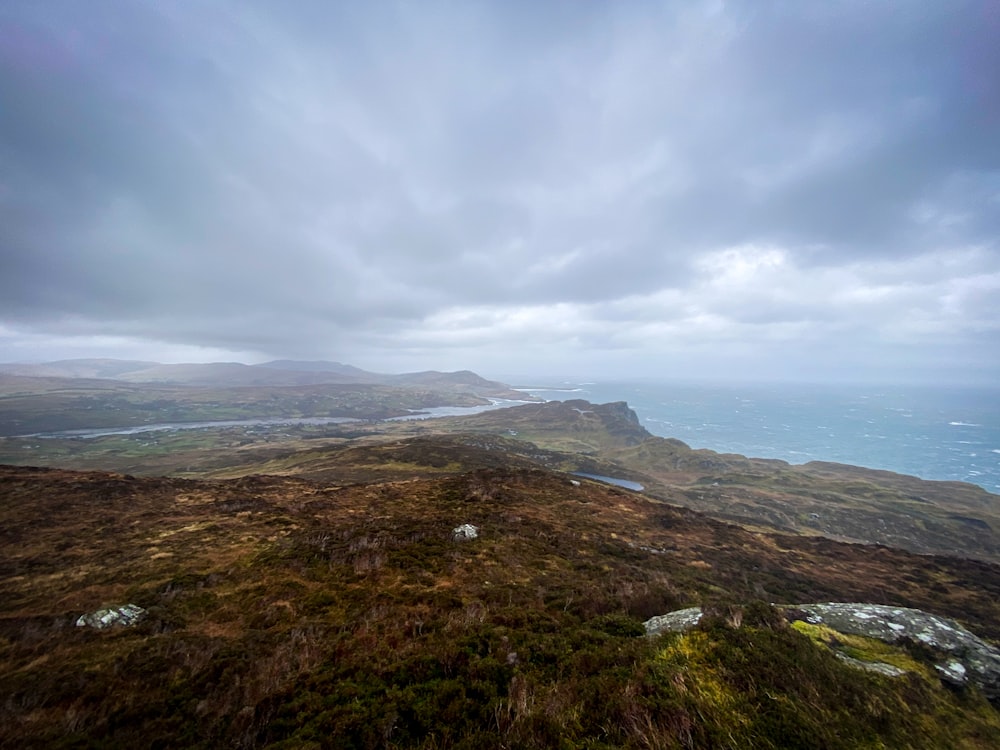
(284, 610)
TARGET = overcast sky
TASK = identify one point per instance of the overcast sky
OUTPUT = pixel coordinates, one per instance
(792, 189)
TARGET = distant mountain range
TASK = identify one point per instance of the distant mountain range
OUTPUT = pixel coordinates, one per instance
(77, 368)
(275, 373)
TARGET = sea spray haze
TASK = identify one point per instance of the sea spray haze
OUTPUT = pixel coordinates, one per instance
(945, 433)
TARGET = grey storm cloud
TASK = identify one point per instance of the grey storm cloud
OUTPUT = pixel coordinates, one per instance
(337, 179)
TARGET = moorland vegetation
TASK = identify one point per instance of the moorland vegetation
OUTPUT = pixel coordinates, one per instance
(302, 587)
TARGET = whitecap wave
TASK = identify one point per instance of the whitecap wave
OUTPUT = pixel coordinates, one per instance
(548, 390)
(964, 424)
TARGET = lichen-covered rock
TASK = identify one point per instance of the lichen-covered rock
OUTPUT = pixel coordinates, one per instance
(878, 667)
(969, 660)
(465, 532)
(128, 614)
(972, 659)
(953, 672)
(673, 622)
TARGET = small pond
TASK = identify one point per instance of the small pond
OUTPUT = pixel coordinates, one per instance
(626, 483)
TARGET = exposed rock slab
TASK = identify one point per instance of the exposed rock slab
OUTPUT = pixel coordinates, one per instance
(673, 622)
(127, 614)
(973, 660)
(970, 659)
(464, 533)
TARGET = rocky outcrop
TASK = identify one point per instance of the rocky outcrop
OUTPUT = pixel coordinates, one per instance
(620, 411)
(969, 658)
(673, 622)
(464, 533)
(966, 658)
(128, 614)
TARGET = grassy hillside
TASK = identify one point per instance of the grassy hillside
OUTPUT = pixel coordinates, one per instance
(817, 499)
(284, 612)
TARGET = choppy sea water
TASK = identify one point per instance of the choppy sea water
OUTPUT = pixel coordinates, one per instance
(929, 432)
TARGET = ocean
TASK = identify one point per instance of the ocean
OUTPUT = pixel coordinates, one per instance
(931, 432)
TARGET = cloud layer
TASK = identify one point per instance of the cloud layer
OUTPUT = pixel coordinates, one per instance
(771, 189)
